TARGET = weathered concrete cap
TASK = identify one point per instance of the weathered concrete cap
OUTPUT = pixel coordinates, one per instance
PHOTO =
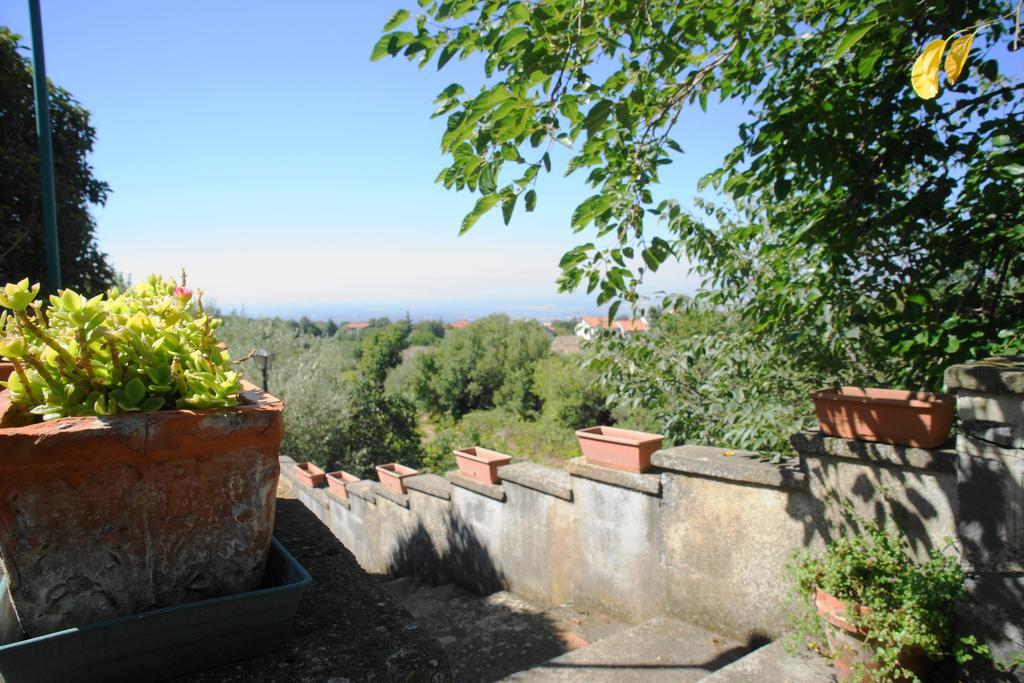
(430, 484)
(997, 375)
(969, 444)
(285, 460)
(774, 662)
(363, 489)
(396, 498)
(741, 466)
(495, 491)
(816, 443)
(644, 483)
(541, 478)
(338, 500)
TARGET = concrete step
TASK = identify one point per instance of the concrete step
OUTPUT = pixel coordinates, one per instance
(403, 585)
(774, 663)
(488, 638)
(661, 649)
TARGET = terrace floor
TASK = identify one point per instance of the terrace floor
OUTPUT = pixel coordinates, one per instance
(347, 627)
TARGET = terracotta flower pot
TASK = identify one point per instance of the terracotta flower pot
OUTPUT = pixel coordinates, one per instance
(850, 646)
(5, 371)
(337, 482)
(102, 517)
(905, 418)
(310, 475)
(392, 476)
(620, 449)
(481, 464)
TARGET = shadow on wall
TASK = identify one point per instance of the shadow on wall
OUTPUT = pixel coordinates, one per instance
(465, 560)
(971, 506)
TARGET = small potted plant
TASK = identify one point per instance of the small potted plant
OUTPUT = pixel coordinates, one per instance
(906, 418)
(392, 476)
(337, 482)
(480, 464)
(309, 474)
(884, 616)
(620, 449)
(137, 469)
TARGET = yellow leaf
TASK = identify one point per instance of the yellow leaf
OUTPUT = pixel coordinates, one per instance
(925, 76)
(957, 57)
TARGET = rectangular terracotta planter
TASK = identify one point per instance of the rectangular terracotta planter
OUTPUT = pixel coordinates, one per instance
(619, 449)
(337, 482)
(481, 464)
(895, 416)
(308, 474)
(392, 476)
(102, 517)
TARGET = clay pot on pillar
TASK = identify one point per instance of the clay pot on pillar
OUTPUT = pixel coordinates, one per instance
(308, 474)
(620, 449)
(392, 476)
(337, 483)
(481, 464)
(905, 418)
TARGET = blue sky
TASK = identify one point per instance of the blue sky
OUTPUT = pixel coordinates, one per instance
(256, 145)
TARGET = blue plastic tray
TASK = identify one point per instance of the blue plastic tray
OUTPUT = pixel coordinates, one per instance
(171, 641)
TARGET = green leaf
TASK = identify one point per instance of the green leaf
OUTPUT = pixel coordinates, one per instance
(447, 52)
(396, 19)
(530, 200)
(483, 205)
(507, 207)
(511, 39)
(851, 38)
(612, 310)
(135, 391)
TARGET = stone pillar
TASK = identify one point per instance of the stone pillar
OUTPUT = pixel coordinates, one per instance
(990, 485)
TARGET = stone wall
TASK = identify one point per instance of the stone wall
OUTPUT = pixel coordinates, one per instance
(707, 534)
(705, 537)
(990, 488)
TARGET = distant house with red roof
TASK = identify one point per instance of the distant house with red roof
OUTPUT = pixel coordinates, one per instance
(356, 326)
(590, 325)
(459, 324)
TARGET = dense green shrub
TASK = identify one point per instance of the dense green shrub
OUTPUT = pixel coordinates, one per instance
(426, 333)
(502, 430)
(487, 364)
(310, 374)
(571, 393)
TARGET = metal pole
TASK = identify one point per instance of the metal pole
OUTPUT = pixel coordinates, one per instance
(265, 378)
(42, 92)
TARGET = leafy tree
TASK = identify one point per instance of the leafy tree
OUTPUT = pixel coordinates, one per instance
(331, 328)
(83, 266)
(376, 428)
(309, 327)
(486, 364)
(871, 234)
(381, 350)
(571, 393)
(703, 376)
(426, 333)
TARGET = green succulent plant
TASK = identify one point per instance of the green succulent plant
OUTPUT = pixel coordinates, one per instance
(149, 348)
